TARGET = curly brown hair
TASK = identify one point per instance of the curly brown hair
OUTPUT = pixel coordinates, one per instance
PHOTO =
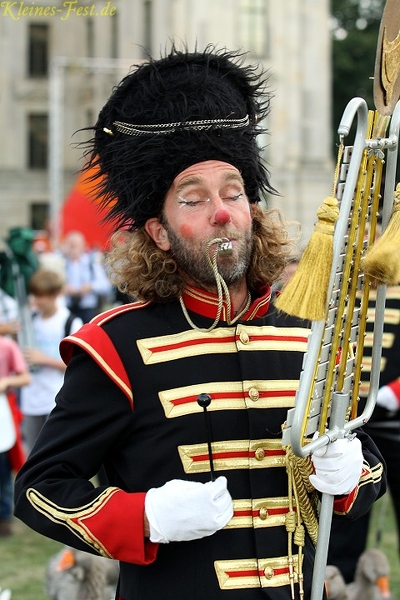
(138, 268)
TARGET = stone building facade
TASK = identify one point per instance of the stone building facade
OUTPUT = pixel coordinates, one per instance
(59, 60)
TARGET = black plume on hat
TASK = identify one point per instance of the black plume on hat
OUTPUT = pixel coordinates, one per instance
(169, 114)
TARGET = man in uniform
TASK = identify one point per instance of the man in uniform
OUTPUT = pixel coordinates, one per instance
(182, 394)
(349, 540)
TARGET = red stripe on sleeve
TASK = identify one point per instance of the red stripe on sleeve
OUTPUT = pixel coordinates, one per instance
(119, 528)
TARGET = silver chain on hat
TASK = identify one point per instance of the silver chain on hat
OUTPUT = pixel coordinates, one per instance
(164, 128)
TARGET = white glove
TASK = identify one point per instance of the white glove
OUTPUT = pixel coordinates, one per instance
(187, 510)
(338, 466)
(387, 399)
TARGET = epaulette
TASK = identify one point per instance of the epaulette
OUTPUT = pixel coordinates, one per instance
(92, 338)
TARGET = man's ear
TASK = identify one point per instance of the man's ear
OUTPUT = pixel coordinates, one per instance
(158, 233)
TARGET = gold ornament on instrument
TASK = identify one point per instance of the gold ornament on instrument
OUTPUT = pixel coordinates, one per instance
(387, 75)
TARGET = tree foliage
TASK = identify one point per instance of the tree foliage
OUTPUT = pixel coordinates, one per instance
(355, 30)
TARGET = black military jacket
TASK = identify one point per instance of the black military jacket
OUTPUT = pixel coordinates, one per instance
(129, 402)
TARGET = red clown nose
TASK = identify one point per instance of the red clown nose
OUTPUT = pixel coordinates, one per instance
(222, 216)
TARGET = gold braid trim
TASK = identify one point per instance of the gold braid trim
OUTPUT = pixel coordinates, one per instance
(300, 488)
(290, 523)
(299, 470)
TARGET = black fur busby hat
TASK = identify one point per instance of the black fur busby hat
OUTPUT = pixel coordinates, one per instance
(169, 114)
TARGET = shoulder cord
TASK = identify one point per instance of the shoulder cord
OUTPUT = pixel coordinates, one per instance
(223, 291)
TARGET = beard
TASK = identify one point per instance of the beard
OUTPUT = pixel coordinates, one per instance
(194, 264)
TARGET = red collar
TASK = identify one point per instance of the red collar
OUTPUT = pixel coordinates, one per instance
(206, 304)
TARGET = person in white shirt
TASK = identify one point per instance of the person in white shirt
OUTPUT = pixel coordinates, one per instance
(9, 317)
(86, 279)
(52, 321)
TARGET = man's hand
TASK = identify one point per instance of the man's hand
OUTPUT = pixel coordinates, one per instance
(187, 510)
(337, 466)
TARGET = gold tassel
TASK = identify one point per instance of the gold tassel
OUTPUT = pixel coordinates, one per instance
(382, 261)
(305, 295)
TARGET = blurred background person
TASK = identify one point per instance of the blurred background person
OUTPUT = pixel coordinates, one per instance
(51, 321)
(87, 285)
(286, 274)
(13, 375)
(49, 256)
(9, 318)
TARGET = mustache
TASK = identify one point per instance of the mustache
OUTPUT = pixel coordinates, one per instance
(226, 236)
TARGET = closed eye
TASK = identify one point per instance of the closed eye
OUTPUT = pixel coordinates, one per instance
(233, 198)
(200, 202)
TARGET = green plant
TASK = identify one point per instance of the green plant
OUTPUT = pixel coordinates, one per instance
(23, 559)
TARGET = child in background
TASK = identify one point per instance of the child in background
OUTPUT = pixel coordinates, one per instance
(13, 374)
(52, 321)
(9, 316)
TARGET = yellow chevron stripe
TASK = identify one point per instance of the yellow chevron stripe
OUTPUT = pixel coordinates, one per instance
(387, 340)
(253, 573)
(273, 338)
(371, 475)
(367, 365)
(230, 396)
(221, 340)
(185, 344)
(259, 513)
(235, 454)
(392, 292)
(69, 516)
(391, 316)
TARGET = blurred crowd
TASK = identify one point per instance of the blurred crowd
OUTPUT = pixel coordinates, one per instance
(64, 287)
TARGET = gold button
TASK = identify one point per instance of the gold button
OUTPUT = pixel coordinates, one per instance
(263, 514)
(244, 337)
(254, 394)
(259, 453)
(269, 572)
